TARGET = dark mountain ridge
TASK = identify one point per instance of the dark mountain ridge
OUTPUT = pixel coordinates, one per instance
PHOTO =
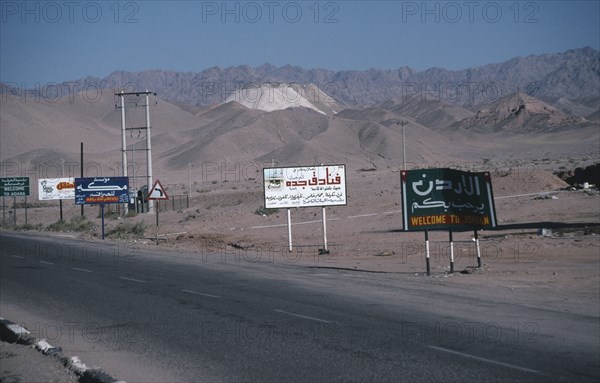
(574, 75)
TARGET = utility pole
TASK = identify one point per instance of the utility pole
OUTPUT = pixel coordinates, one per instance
(122, 95)
(402, 123)
(149, 150)
(190, 180)
(81, 173)
(123, 144)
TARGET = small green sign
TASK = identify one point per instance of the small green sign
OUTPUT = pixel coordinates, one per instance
(446, 199)
(14, 187)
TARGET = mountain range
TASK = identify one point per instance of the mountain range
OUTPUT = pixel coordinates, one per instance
(571, 75)
(292, 122)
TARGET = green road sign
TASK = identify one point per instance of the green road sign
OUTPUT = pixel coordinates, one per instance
(446, 199)
(14, 187)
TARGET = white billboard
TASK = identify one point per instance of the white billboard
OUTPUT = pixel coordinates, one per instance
(56, 188)
(305, 186)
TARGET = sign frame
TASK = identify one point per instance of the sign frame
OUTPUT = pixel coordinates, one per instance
(101, 190)
(50, 189)
(452, 200)
(20, 183)
(161, 189)
(304, 186)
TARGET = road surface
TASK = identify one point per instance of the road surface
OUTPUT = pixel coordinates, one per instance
(155, 315)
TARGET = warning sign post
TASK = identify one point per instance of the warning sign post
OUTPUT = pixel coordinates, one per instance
(157, 193)
(447, 199)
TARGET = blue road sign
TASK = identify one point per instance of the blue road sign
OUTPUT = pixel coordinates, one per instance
(101, 190)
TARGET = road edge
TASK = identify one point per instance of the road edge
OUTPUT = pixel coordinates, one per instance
(13, 333)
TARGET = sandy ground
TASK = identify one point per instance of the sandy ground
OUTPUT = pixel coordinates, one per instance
(222, 223)
(22, 363)
(558, 268)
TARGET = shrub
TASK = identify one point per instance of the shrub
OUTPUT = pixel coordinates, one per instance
(264, 211)
(126, 230)
(77, 224)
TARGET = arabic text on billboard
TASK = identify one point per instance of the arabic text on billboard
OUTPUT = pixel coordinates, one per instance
(56, 188)
(305, 186)
(101, 190)
(447, 198)
(14, 187)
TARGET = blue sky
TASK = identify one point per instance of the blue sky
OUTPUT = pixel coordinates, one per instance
(44, 42)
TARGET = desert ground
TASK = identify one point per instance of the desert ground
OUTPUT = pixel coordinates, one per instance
(211, 161)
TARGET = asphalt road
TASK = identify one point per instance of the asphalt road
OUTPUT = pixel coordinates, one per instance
(156, 315)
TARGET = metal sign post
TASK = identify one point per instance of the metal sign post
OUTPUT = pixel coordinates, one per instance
(325, 251)
(427, 252)
(477, 249)
(289, 223)
(308, 186)
(56, 189)
(101, 191)
(157, 193)
(451, 251)
(157, 210)
(15, 187)
(447, 199)
(102, 213)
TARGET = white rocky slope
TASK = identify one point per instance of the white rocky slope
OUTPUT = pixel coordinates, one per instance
(278, 96)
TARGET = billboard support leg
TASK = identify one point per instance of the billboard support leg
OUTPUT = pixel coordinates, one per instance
(451, 252)
(25, 210)
(427, 252)
(61, 210)
(325, 250)
(15, 211)
(289, 223)
(477, 249)
(157, 209)
(102, 213)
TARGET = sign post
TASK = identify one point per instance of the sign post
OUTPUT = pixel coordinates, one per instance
(427, 252)
(289, 222)
(157, 193)
(477, 249)
(101, 191)
(447, 199)
(307, 186)
(15, 187)
(325, 251)
(56, 189)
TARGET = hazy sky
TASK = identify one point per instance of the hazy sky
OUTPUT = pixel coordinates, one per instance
(55, 41)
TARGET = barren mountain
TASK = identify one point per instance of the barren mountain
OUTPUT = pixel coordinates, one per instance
(231, 138)
(574, 74)
(277, 96)
(595, 116)
(38, 129)
(521, 114)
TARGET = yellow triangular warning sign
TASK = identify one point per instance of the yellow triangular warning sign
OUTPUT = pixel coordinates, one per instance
(157, 192)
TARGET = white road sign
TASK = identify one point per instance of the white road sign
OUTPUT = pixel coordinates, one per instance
(56, 188)
(305, 186)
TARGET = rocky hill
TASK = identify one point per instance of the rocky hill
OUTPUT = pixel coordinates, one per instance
(574, 74)
(519, 113)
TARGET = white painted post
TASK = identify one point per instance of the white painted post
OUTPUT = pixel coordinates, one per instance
(427, 252)
(451, 253)
(477, 249)
(325, 250)
(289, 222)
